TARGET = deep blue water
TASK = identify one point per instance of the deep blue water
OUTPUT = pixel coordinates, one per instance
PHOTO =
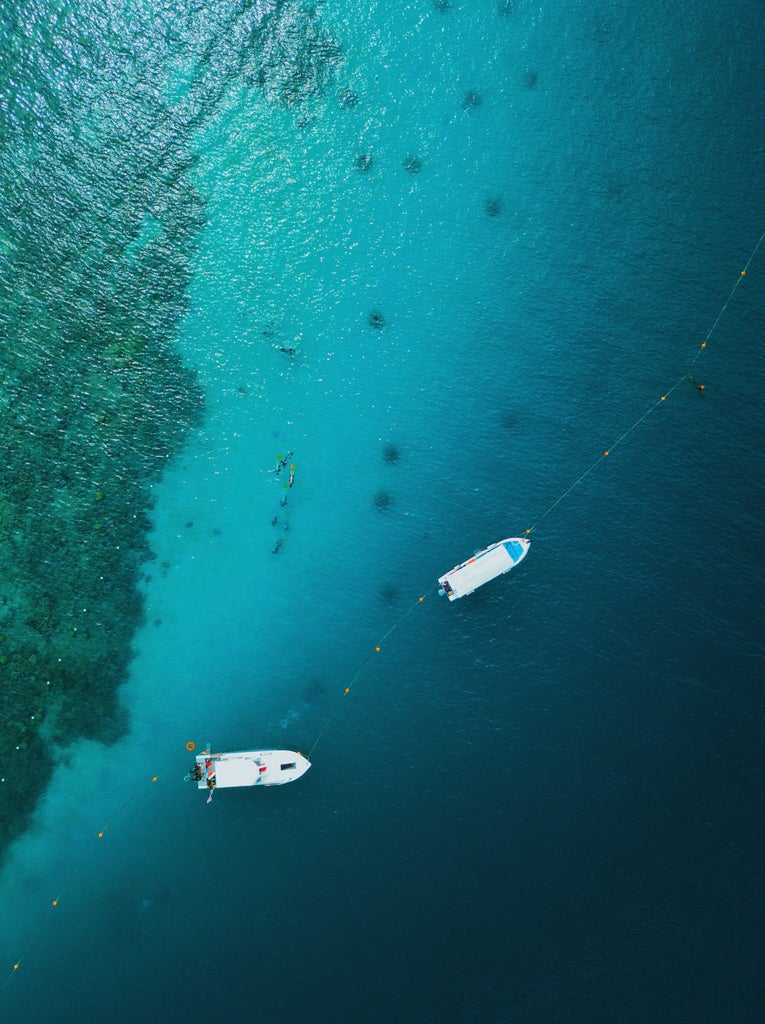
(538, 804)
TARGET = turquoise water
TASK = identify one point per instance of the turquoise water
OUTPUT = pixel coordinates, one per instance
(536, 804)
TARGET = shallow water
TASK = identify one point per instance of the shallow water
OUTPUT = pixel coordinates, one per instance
(532, 800)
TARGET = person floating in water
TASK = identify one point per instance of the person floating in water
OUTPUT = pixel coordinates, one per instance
(282, 461)
(292, 475)
(277, 545)
(699, 387)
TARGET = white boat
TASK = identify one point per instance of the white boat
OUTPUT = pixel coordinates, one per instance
(247, 768)
(485, 565)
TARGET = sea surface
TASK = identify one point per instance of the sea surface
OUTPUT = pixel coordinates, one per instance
(437, 257)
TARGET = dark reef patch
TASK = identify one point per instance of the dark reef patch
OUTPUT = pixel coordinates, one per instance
(388, 593)
(471, 100)
(313, 692)
(346, 98)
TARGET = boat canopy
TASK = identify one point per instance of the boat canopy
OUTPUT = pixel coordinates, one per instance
(237, 772)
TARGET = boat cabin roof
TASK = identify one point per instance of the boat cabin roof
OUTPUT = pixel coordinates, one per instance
(237, 771)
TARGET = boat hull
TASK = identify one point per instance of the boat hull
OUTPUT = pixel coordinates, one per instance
(250, 768)
(485, 565)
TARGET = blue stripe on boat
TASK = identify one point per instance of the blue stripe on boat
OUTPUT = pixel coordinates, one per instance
(514, 549)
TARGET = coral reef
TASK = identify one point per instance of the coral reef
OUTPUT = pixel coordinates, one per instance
(296, 57)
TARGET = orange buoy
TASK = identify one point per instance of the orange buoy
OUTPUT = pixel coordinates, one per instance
(190, 745)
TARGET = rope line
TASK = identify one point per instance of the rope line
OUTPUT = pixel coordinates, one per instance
(663, 398)
(72, 876)
(375, 650)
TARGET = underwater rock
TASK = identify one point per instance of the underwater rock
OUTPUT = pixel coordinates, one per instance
(471, 100)
(346, 98)
(390, 453)
(376, 320)
(413, 164)
(383, 500)
(363, 162)
(313, 691)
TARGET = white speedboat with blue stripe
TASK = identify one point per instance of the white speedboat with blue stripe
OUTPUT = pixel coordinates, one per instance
(485, 565)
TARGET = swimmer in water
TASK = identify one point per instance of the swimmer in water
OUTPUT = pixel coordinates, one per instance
(292, 475)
